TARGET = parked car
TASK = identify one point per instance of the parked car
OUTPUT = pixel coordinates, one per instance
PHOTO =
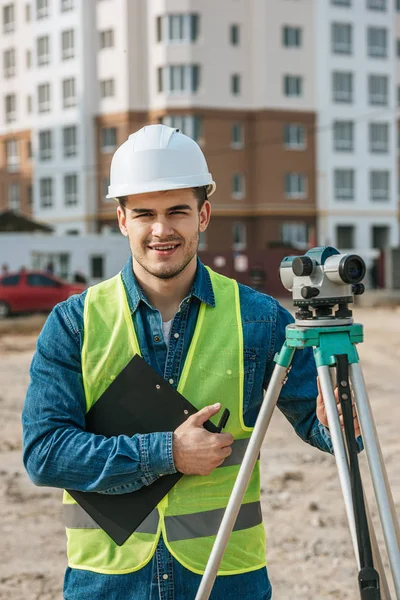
(33, 291)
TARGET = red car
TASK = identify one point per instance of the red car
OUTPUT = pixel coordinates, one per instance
(33, 291)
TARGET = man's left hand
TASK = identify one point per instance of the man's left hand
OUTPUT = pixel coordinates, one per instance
(321, 410)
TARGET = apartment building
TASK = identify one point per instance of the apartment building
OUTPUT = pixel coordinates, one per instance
(294, 103)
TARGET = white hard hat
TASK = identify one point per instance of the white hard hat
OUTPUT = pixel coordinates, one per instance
(158, 158)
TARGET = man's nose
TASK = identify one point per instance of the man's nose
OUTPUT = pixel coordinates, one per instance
(161, 227)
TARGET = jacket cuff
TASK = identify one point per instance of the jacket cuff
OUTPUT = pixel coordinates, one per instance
(156, 455)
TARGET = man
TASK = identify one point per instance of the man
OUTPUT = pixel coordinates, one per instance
(209, 337)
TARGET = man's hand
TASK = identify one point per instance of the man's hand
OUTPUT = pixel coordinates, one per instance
(321, 411)
(196, 451)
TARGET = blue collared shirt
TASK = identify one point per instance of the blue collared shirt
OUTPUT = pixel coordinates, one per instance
(58, 452)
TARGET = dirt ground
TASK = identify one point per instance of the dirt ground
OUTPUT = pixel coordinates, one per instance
(309, 551)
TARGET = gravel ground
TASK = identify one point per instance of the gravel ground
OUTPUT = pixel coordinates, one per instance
(309, 551)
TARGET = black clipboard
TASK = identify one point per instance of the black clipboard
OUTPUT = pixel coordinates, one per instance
(139, 400)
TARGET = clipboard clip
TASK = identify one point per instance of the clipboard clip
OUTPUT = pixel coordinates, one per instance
(223, 420)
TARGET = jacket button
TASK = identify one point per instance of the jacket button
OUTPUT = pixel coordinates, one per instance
(156, 338)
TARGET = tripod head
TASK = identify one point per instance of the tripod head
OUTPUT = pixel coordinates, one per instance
(320, 280)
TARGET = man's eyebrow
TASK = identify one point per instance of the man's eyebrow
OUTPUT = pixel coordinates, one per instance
(140, 211)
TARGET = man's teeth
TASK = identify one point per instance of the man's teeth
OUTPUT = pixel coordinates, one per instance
(164, 247)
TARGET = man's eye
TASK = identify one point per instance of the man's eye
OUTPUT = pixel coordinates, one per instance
(143, 215)
(178, 212)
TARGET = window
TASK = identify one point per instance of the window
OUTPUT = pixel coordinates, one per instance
(29, 149)
(14, 196)
(294, 136)
(295, 234)
(342, 84)
(380, 236)
(398, 95)
(341, 36)
(28, 59)
(8, 18)
(109, 139)
(378, 90)
(343, 136)
(97, 267)
(42, 9)
(68, 44)
(235, 84)
(46, 192)
(67, 5)
(107, 39)
(178, 28)
(341, 2)
(45, 145)
(43, 50)
(44, 97)
(12, 156)
(105, 182)
(9, 63)
(379, 137)
(39, 280)
(377, 4)
(71, 190)
(10, 105)
(239, 235)
(379, 185)
(107, 88)
(29, 192)
(291, 37)
(295, 185)
(191, 125)
(398, 46)
(344, 184)
(69, 92)
(70, 141)
(377, 42)
(179, 78)
(234, 35)
(345, 237)
(398, 5)
(29, 104)
(292, 85)
(27, 13)
(237, 135)
(11, 280)
(238, 186)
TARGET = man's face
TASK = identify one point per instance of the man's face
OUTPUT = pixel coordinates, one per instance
(163, 230)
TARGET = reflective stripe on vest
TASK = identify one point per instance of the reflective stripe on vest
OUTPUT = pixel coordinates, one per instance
(180, 527)
(190, 514)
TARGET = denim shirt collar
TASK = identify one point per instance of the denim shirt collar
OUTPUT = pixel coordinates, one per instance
(201, 288)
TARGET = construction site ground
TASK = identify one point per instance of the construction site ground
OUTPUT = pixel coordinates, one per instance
(310, 555)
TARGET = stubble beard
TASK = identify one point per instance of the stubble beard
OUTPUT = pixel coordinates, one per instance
(169, 271)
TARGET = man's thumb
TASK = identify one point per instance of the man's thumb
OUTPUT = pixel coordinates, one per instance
(205, 413)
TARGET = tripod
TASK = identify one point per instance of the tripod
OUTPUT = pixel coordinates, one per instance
(333, 340)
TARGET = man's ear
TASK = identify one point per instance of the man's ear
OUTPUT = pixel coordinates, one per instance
(121, 213)
(204, 216)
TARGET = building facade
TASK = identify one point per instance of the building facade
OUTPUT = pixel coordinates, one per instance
(294, 103)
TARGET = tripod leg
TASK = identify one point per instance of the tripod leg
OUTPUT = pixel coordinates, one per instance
(380, 481)
(249, 460)
(340, 451)
(385, 592)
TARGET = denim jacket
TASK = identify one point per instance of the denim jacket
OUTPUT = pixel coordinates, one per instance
(58, 452)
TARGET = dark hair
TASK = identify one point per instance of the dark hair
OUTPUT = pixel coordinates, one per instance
(200, 193)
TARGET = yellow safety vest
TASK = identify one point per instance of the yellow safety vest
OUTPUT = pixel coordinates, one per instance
(190, 515)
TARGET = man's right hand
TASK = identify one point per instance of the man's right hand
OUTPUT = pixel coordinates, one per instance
(196, 451)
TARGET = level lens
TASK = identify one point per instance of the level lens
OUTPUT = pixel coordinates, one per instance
(352, 269)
